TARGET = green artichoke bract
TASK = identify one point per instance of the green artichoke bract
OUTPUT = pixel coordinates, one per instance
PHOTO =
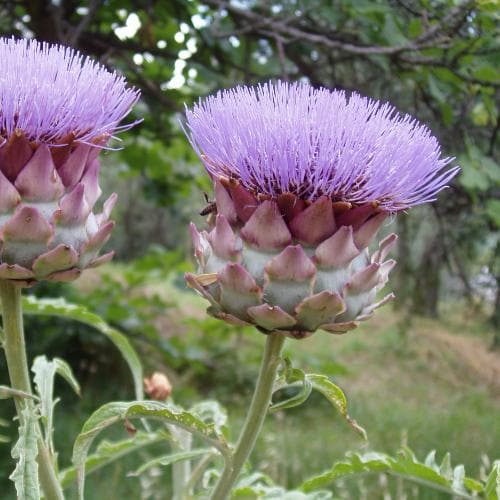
(57, 112)
(303, 181)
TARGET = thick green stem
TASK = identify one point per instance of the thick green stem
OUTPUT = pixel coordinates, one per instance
(255, 417)
(17, 364)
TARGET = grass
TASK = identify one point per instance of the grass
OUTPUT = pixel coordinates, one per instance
(426, 387)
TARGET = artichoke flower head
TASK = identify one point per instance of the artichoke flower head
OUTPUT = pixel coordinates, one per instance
(58, 110)
(304, 179)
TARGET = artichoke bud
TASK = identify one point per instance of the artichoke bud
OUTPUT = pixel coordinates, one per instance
(158, 386)
(58, 110)
(304, 178)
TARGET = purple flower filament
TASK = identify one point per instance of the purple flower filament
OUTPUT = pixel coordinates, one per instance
(49, 92)
(279, 138)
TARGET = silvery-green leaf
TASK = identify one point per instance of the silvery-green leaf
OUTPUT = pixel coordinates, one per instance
(445, 467)
(404, 465)
(109, 451)
(303, 393)
(336, 396)
(45, 372)
(492, 486)
(169, 459)
(211, 412)
(7, 392)
(291, 378)
(65, 371)
(25, 451)
(111, 413)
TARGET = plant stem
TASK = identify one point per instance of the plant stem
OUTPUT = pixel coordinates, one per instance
(17, 364)
(181, 471)
(255, 417)
(197, 473)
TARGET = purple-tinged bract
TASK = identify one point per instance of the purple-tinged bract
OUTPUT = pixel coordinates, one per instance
(280, 138)
(58, 110)
(303, 181)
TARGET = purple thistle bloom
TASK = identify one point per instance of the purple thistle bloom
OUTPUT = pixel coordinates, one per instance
(58, 109)
(303, 180)
(292, 138)
(50, 91)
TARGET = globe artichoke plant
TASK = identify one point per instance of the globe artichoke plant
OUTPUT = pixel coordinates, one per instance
(58, 110)
(304, 179)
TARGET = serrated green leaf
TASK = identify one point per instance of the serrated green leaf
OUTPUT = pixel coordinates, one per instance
(332, 392)
(430, 460)
(291, 378)
(336, 396)
(63, 309)
(255, 489)
(111, 413)
(169, 459)
(407, 465)
(404, 465)
(492, 486)
(246, 492)
(109, 451)
(253, 479)
(445, 467)
(458, 478)
(355, 463)
(25, 451)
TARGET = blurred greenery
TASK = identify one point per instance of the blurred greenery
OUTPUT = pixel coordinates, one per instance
(421, 374)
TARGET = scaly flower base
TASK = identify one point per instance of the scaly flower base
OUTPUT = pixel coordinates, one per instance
(283, 265)
(47, 228)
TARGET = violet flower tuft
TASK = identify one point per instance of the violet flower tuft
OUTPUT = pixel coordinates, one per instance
(292, 138)
(304, 178)
(58, 109)
(49, 92)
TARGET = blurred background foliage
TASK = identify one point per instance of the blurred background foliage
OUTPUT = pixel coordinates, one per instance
(426, 371)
